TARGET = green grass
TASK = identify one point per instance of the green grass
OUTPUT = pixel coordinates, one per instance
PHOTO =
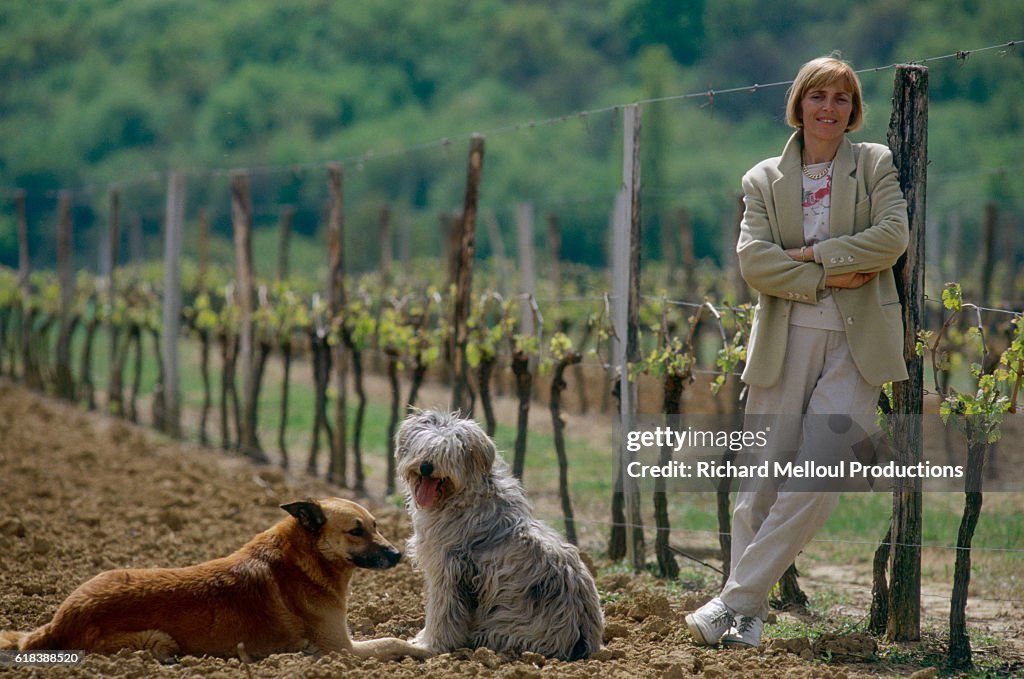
(866, 515)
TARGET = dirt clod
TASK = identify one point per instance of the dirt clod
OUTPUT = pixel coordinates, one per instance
(12, 527)
(847, 648)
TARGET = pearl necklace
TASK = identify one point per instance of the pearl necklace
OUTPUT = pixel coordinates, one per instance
(818, 175)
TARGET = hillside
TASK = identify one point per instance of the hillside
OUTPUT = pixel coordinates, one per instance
(99, 91)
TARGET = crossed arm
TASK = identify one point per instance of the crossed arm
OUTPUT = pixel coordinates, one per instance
(847, 261)
(851, 280)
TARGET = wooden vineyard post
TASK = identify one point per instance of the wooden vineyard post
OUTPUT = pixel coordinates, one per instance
(908, 139)
(337, 469)
(522, 364)
(65, 249)
(173, 228)
(461, 395)
(626, 280)
(241, 218)
(527, 273)
(203, 248)
(115, 384)
(28, 367)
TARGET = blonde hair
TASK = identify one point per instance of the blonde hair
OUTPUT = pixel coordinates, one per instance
(822, 72)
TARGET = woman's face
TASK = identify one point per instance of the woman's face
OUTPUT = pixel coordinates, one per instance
(825, 112)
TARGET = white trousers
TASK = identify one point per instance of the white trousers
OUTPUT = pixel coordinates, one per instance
(771, 523)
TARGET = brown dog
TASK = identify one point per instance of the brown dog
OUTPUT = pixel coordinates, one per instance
(284, 591)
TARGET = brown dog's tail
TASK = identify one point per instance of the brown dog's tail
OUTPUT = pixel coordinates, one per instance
(9, 640)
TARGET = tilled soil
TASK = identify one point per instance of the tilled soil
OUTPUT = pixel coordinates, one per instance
(81, 493)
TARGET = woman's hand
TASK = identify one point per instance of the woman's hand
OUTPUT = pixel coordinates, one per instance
(803, 254)
(851, 280)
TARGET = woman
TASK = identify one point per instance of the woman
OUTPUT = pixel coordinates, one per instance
(823, 225)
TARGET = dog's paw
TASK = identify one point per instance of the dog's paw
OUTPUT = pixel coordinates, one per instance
(422, 639)
(389, 648)
(420, 652)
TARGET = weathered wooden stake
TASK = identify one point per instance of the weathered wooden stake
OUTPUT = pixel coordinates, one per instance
(626, 314)
(461, 396)
(527, 273)
(115, 393)
(241, 219)
(337, 470)
(65, 250)
(173, 233)
(28, 367)
(908, 139)
(203, 249)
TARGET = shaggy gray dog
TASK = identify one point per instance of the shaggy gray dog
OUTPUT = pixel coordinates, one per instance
(495, 576)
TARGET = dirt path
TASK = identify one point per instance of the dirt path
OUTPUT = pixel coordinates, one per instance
(82, 493)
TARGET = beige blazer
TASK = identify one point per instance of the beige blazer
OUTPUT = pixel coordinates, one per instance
(868, 231)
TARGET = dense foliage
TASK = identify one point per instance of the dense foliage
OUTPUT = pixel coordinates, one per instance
(100, 91)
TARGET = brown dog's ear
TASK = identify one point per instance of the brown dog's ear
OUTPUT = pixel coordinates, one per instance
(309, 513)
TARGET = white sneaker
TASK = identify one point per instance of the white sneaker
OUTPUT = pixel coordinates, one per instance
(745, 634)
(708, 623)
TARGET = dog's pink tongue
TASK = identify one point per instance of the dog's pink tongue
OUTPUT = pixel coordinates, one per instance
(426, 494)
